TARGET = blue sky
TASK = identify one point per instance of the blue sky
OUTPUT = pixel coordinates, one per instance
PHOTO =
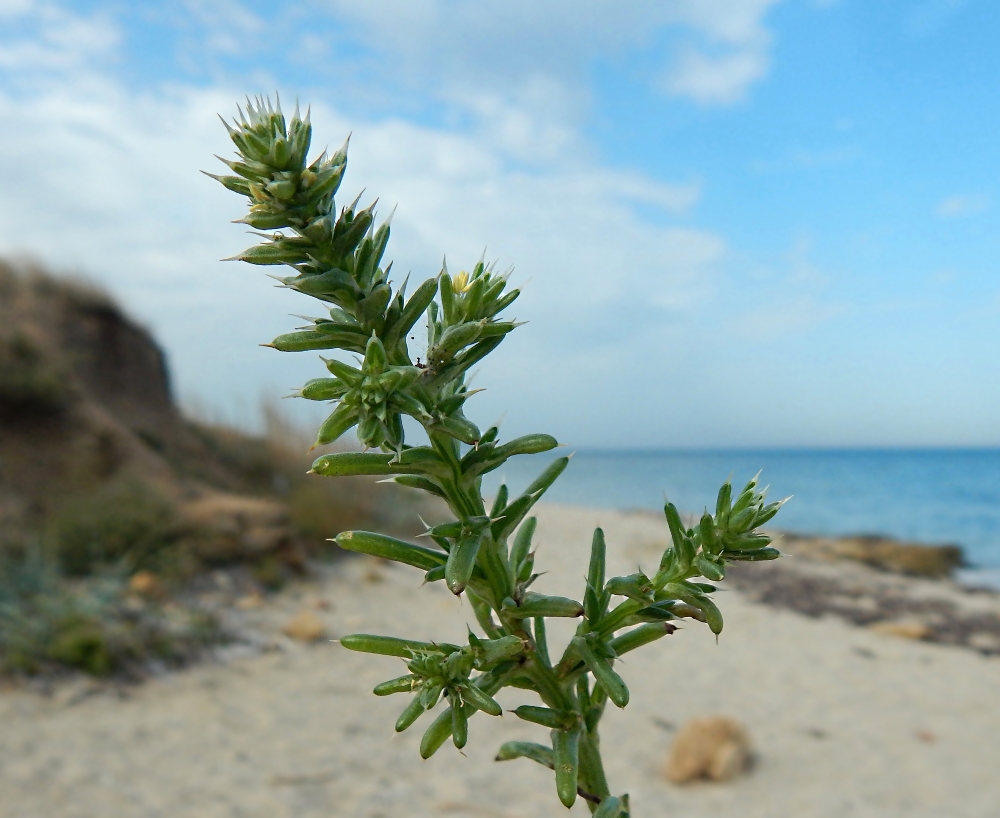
(737, 222)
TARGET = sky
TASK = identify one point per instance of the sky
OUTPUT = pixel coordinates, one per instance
(736, 223)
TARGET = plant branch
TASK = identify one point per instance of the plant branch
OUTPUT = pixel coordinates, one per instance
(337, 259)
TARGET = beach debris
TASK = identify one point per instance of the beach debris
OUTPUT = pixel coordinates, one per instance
(984, 641)
(905, 629)
(305, 626)
(712, 747)
(250, 601)
(147, 584)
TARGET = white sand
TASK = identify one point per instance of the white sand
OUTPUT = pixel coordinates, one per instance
(845, 722)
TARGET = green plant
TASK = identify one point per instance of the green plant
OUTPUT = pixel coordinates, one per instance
(30, 385)
(123, 522)
(93, 625)
(485, 552)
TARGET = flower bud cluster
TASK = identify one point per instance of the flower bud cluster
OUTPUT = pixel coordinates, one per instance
(445, 670)
(371, 398)
(731, 534)
(337, 260)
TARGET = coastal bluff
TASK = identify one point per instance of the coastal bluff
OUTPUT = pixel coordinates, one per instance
(86, 404)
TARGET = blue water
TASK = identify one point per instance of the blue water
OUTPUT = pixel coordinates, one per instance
(928, 496)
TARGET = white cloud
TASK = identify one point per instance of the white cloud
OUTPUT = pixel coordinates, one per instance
(572, 223)
(959, 205)
(104, 180)
(50, 38)
(506, 45)
(227, 24)
(716, 80)
(730, 53)
(15, 8)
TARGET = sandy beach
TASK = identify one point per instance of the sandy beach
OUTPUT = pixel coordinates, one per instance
(845, 720)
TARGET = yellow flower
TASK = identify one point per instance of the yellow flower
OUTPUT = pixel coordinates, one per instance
(461, 282)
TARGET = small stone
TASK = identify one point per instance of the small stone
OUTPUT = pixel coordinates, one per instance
(249, 602)
(715, 747)
(904, 630)
(147, 584)
(305, 626)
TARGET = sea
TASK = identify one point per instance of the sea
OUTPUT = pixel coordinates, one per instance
(931, 496)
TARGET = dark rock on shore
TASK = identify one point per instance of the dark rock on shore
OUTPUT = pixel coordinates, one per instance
(883, 553)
